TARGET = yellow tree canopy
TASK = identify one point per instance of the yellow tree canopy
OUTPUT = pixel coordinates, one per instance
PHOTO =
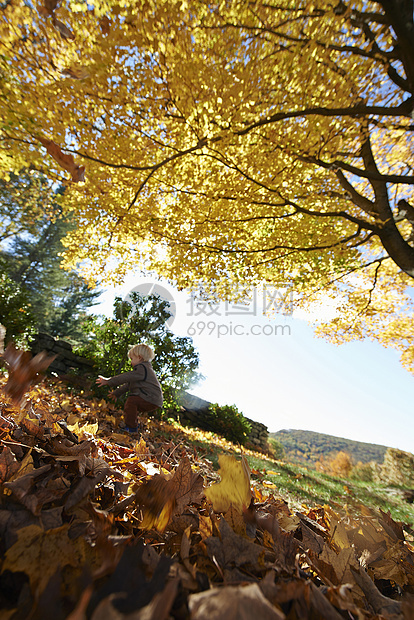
(227, 143)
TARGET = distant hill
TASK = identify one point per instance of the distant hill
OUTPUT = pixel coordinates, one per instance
(308, 447)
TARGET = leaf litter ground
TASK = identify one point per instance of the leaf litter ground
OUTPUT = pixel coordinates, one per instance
(97, 524)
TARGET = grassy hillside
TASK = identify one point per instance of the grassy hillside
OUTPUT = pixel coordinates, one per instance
(308, 447)
(299, 485)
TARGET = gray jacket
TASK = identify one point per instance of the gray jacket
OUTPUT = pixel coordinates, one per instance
(141, 381)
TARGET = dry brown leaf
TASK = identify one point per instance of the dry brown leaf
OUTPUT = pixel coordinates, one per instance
(161, 498)
(36, 488)
(25, 466)
(393, 528)
(234, 487)
(65, 447)
(63, 29)
(394, 564)
(23, 370)
(338, 535)
(233, 603)
(233, 550)
(32, 427)
(381, 604)
(50, 6)
(87, 484)
(105, 25)
(185, 552)
(66, 161)
(341, 563)
(236, 521)
(186, 485)
(9, 465)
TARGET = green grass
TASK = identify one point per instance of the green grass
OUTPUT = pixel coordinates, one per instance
(301, 486)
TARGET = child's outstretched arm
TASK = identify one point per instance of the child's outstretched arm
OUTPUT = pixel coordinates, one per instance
(102, 380)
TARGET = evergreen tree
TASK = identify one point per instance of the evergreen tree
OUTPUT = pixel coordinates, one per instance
(30, 257)
(24, 200)
(15, 311)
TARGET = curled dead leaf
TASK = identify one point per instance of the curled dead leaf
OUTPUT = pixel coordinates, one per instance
(233, 603)
(63, 29)
(8, 464)
(23, 370)
(77, 73)
(49, 7)
(66, 161)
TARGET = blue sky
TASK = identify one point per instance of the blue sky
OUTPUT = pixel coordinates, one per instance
(278, 373)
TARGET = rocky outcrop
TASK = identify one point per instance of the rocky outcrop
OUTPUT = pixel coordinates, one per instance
(65, 360)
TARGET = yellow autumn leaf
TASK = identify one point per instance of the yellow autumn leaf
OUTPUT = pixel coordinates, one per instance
(88, 429)
(74, 428)
(158, 521)
(234, 488)
(269, 485)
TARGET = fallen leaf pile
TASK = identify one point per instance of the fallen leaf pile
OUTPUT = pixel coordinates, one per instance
(96, 524)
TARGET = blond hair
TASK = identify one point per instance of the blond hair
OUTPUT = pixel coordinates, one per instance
(142, 350)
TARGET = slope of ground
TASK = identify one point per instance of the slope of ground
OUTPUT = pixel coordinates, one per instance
(149, 529)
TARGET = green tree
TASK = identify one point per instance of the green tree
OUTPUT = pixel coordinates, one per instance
(142, 319)
(228, 421)
(15, 311)
(25, 198)
(32, 231)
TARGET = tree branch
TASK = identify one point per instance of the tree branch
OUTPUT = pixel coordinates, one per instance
(219, 250)
(404, 109)
(373, 175)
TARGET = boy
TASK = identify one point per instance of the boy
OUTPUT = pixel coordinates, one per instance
(145, 393)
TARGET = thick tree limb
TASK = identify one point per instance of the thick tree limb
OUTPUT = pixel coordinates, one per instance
(404, 109)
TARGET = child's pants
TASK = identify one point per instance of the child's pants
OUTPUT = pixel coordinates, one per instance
(135, 405)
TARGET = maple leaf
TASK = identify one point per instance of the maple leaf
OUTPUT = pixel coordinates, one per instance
(23, 370)
(186, 485)
(234, 488)
(231, 549)
(66, 161)
(34, 553)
